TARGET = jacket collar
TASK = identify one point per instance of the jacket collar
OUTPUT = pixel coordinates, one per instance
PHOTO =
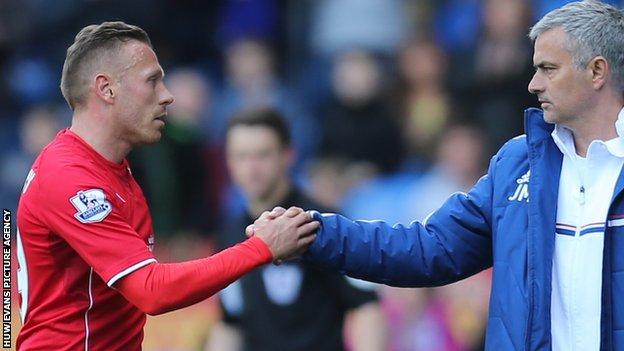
(537, 130)
(535, 127)
(545, 165)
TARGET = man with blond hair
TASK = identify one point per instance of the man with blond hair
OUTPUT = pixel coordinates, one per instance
(87, 275)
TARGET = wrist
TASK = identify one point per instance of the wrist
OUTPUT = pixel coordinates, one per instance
(260, 246)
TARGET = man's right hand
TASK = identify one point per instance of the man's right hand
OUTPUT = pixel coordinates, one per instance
(287, 235)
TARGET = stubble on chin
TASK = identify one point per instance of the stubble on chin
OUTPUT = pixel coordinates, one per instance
(147, 138)
(154, 138)
(550, 117)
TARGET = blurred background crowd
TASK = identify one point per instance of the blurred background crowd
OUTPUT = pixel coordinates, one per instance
(393, 105)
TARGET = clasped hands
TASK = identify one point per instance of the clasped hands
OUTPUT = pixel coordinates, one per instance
(288, 233)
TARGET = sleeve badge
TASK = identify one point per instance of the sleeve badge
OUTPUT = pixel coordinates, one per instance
(92, 206)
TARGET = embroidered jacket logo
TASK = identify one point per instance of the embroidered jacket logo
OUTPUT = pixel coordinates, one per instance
(522, 191)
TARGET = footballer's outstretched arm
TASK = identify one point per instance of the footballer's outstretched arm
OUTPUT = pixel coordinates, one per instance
(122, 258)
(162, 287)
(159, 287)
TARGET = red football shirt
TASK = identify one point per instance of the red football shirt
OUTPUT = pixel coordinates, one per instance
(83, 223)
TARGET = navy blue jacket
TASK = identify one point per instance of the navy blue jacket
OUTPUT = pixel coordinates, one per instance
(497, 223)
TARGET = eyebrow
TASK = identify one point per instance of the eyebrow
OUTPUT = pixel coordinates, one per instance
(543, 64)
(157, 74)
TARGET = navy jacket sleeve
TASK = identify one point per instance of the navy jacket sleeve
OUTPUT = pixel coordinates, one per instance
(453, 243)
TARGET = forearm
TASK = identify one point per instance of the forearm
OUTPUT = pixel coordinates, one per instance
(441, 253)
(455, 242)
(159, 288)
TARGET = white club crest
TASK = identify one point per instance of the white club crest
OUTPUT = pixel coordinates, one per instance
(522, 190)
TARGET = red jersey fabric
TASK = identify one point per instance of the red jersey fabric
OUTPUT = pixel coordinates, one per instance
(163, 287)
(83, 223)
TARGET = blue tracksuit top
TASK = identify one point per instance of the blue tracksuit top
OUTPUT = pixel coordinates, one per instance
(488, 226)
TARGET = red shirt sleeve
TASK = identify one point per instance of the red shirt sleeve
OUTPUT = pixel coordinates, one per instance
(78, 206)
(163, 287)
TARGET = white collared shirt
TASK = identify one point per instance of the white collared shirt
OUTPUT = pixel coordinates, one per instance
(585, 190)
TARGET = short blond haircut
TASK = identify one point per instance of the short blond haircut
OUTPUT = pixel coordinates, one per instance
(90, 45)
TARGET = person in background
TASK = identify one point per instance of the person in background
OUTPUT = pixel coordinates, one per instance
(357, 123)
(37, 127)
(292, 306)
(547, 216)
(488, 79)
(87, 275)
(175, 173)
(252, 80)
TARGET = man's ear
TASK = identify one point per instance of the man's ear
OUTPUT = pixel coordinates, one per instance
(104, 88)
(599, 69)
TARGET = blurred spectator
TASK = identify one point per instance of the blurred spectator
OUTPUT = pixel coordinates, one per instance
(448, 318)
(251, 82)
(291, 306)
(331, 178)
(12, 27)
(174, 172)
(37, 128)
(404, 197)
(419, 320)
(490, 79)
(382, 196)
(375, 25)
(459, 162)
(357, 123)
(467, 304)
(32, 81)
(457, 24)
(340, 26)
(239, 20)
(423, 100)
(191, 40)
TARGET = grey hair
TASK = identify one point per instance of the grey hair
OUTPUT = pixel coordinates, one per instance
(594, 29)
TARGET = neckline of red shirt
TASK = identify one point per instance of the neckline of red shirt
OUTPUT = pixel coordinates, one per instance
(118, 167)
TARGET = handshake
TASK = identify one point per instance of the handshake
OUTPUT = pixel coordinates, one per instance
(288, 233)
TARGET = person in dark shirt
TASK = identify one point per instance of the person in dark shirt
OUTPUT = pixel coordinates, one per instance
(291, 306)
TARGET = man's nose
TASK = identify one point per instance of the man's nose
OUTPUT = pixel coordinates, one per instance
(535, 85)
(167, 98)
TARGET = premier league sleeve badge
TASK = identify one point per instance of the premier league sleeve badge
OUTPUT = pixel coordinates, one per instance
(92, 206)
